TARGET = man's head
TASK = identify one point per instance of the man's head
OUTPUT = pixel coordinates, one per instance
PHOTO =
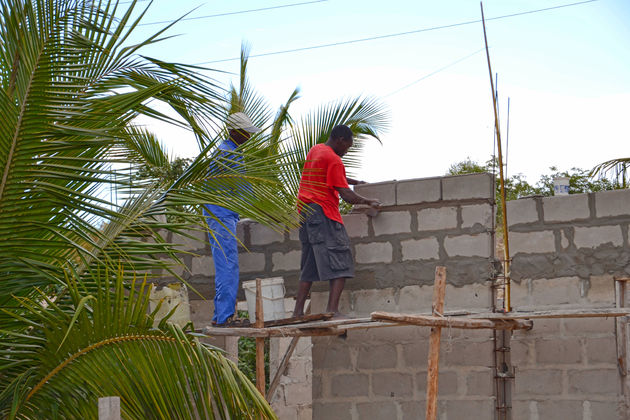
(240, 127)
(340, 139)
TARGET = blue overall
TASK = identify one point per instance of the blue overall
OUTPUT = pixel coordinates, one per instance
(224, 246)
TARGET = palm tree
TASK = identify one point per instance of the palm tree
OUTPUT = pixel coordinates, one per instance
(74, 322)
(618, 168)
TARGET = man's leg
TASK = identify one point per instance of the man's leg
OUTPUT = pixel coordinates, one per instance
(336, 287)
(303, 288)
(225, 256)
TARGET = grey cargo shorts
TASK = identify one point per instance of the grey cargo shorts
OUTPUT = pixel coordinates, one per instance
(326, 253)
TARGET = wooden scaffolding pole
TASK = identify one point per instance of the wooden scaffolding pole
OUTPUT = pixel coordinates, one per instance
(260, 341)
(439, 288)
(455, 322)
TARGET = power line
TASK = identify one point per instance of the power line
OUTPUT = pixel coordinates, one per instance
(234, 13)
(434, 72)
(433, 28)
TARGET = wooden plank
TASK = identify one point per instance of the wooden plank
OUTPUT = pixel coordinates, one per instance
(439, 288)
(565, 313)
(260, 341)
(299, 320)
(453, 322)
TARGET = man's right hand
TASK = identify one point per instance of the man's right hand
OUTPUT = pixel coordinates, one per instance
(374, 203)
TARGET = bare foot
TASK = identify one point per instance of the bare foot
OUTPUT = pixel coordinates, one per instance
(297, 315)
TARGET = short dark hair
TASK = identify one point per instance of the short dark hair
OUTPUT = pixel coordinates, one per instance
(341, 132)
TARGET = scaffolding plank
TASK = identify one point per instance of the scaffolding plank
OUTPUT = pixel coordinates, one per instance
(454, 322)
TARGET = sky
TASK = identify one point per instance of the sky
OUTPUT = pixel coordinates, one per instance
(566, 72)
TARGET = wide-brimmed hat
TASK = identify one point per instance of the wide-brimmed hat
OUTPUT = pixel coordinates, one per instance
(240, 121)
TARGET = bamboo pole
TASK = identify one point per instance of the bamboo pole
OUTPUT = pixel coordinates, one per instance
(506, 247)
(439, 288)
(260, 341)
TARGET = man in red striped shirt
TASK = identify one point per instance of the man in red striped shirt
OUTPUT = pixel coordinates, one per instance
(326, 254)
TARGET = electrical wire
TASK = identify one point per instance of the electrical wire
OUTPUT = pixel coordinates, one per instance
(235, 13)
(397, 34)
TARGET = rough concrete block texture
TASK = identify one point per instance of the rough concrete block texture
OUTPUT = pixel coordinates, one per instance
(558, 351)
(377, 357)
(263, 235)
(415, 299)
(521, 211)
(572, 409)
(594, 381)
(612, 203)
(305, 412)
(601, 350)
(356, 225)
(375, 252)
(477, 214)
(388, 223)
(470, 409)
(479, 245)
(416, 191)
(556, 291)
(420, 249)
(545, 382)
(601, 290)
(465, 352)
(332, 410)
(565, 208)
(412, 410)
(473, 296)
(326, 356)
(581, 326)
(298, 393)
(440, 218)
(392, 384)
(368, 301)
(203, 265)
(350, 385)
(201, 312)
(385, 192)
(593, 237)
(532, 242)
(249, 262)
(377, 410)
(462, 187)
(447, 383)
(196, 241)
(415, 355)
(288, 261)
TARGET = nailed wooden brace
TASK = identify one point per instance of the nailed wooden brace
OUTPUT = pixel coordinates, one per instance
(454, 322)
(439, 288)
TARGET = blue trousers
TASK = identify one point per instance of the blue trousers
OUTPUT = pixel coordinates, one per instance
(224, 248)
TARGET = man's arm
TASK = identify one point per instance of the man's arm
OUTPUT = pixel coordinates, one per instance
(351, 197)
(352, 181)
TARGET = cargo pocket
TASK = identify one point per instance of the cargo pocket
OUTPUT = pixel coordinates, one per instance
(339, 234)
(314, 230)
(339, 258)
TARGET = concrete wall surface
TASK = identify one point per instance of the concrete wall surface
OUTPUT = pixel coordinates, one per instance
(566, 252)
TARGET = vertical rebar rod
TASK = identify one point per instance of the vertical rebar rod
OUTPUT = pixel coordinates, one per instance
(506, 248)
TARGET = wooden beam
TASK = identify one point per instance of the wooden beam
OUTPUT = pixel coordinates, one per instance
(439, 288)
(260, 341)
(454, 322)
(564, 313)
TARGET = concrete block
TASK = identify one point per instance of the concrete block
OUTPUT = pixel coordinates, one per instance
(201, 312)
(377, 410)
(522, 352)
(330, 357)
(304, 413)
(532, 242)
(332, 410)
(466, 353)
(469, 297)
(558, 351)
(601, 290)
(372, 253)
(462, 187)
(294, 234)
(415, 355)
(582, 326)
(418, 191)
(377, 357)
(388, 223)
(251, 262)
(565, 208)
(612, 203)
(440, 218)
(607, 410)
(556, 291)
(447, 382)
(385, 192)
(368, 301)
(196, 241)
(240, 229)
(560, 409)
(420, 249)
(594, 381)
(282, 411)
(349, 385)
(538, 382)
(203, 265)
(298, 393)
(356, 225)
(477, 214)
(521, 211)
(392, 335)
(412, 410)
(592, 237)
(392, 384)
(520, 294)
(601, 350)
(470, 409)
(286, 261)
(479, 245)
(415, 299)
(263, 235)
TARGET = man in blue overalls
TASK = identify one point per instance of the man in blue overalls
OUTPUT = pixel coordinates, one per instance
(222, 222)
